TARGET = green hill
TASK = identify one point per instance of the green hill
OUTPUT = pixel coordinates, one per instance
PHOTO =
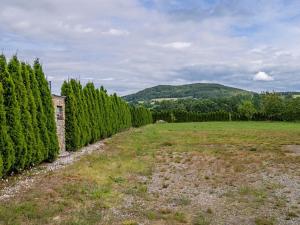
(198, 90)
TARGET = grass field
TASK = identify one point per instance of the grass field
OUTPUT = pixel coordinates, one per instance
(192, 173)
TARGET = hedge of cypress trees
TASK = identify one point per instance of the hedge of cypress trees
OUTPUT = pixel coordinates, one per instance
(28, 131)
(92, 114)
(140, 116)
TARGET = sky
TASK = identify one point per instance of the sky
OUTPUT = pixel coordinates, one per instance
(129, 45)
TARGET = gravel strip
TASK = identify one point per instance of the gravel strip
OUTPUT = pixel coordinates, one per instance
(24, 181)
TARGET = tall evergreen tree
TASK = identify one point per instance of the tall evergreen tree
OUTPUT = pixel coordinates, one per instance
(6, 146)
(53, 147)
(34, 142)
(41, 119)
(15, 70)
(13, 118)
(72, 130)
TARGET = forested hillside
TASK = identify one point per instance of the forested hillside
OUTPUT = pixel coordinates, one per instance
(199, 90)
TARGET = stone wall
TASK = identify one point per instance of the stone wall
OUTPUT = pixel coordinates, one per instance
(59, 109)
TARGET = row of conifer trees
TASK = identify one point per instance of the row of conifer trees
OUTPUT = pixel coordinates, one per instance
(92, 114)
(140, 116)
(27, 123)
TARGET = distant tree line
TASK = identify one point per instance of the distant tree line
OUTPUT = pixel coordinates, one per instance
(27, 123)
(92, 114)
(184, 116)
(266, 106)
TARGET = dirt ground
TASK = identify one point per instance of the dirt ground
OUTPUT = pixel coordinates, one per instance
(193, 188)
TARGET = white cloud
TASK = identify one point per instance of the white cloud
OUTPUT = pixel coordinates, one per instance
(262, 76)
(81, 29)
(107, 79)
(116, 32)
(22, 25)
(178, 45)
(173, 45)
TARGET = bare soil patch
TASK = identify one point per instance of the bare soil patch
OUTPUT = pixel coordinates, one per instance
(292, 150)
(187, 187)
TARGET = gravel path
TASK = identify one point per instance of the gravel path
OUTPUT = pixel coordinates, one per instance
(20, 183)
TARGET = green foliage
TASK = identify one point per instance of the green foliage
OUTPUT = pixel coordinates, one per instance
(13, 118)
(91, 114)
(259, 107)
(43, 138)
(48, 110)
(184, 116)
(37, 143)
(23, 158)
(273, 106)
(140, 116)
(71, 130)
(247, 109)
(28, 134)
(6, 147)
(292, 109)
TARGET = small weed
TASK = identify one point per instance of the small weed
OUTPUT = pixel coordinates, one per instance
(165, 185)
(177, 159)
(117, 180)
(166, 143)
(264, 221)
(129, 222)
(292, 214)
(139, 190)
(200, 219)
(151, 215)
(139, 151)
(259, 194)
(163, 170)
(209, 211)
(181, 201)
(239, 168)
(165, 211)
(180, 217)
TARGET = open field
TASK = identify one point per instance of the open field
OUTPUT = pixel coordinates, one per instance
(193, 173)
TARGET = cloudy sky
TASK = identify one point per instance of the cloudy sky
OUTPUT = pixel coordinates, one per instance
(128, 45)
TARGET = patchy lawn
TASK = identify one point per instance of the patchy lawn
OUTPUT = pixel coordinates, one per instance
(192, 173)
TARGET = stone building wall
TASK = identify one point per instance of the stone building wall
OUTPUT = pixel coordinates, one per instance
(59, 109)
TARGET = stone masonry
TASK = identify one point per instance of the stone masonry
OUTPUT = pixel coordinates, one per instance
(59, 108)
